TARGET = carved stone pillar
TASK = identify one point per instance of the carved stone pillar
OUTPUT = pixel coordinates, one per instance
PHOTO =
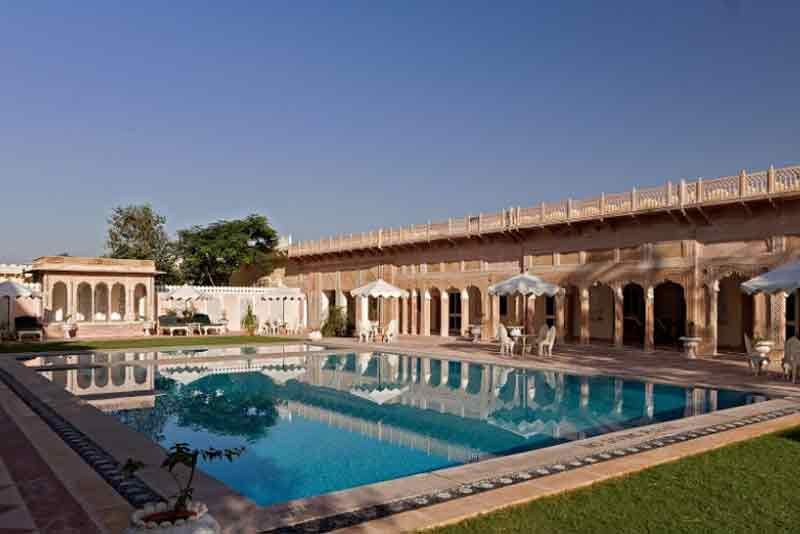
(495, 316)
(444, 315)
(777, 319)
(619, 303)
(560, 327)
(584, 338)
(760, 315)
(464, 312)
(529, 311)
(649, 320)
(426, 313)
(713, 316)
(404, 315)
(413, 312)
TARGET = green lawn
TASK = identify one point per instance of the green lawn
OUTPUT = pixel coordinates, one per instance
(140, 343)
(750, 487)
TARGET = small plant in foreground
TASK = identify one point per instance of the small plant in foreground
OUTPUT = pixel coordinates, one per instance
(181, 454)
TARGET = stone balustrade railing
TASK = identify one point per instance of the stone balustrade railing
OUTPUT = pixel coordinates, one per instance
(679, 195)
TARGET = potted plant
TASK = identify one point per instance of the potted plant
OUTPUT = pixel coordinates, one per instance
(250, 321)
(179, 515)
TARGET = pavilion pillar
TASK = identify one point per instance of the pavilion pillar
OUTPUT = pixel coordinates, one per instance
(649, 320)
(777, 319)
(464, 312)
(444, 310)
(760, 315)
(494, 324)
(426, 313)
(713, 316)
(529, 303)
(584, 315)
(404, 315)
(560, 327)
(362, 312)
(413, 312)
(619, 322)
(394, 307)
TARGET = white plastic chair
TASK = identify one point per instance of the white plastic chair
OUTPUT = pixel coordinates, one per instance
(791, 358)
(506, 343)
(391, 332)
(546, 345)
(364, 332)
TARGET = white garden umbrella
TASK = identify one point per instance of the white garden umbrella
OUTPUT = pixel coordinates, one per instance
(380, 289)
(785, 278)
(524, 284)
(12, 290)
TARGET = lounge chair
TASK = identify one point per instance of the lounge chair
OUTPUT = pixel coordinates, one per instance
(540, 337)
(27, 326)
(791, 358)
(545, 346)
(170, 324)
(203, 324)
(506, 343)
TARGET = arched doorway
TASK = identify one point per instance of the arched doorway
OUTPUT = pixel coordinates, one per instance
(84, 302)
(101, 302)
(59, 310)
(475, 307)
(669, 313)
(734, 314)
(601, 314)
(140, 308)
(117, 302)
(436, 311)
(454, 312)
(791, 316)
(633, 315)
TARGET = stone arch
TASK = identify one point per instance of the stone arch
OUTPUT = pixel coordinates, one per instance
(84, 304)
(59, 308)
(475, 305)
(101, 302)
(141, 310)
(633, 314)
(735, 313)
(669, 313)
(118, 302)
(601, 313)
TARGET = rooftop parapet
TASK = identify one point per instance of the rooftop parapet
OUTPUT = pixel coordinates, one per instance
(78, 264)
(684, 194)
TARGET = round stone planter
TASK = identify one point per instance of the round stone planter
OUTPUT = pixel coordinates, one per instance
(67, 329)
(690, 345)
(200, 523)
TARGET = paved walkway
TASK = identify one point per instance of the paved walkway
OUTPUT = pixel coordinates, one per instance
(32, 498)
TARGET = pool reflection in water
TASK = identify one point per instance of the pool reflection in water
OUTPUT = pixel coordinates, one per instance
(316, 424)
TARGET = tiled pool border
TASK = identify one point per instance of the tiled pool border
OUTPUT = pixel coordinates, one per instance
(380, 511)
(136, 492)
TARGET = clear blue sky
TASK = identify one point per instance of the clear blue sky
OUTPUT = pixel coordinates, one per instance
(342, 116)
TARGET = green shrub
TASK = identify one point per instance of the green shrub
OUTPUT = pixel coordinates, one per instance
(250, 321)
(336, 325)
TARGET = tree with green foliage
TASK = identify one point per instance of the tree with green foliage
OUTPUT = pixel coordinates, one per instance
(336, 325)
(136, 232)
(211, 254)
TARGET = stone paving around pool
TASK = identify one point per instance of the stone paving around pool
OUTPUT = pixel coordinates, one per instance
(38, 467)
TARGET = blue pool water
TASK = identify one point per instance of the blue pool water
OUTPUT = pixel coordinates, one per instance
(316, 424)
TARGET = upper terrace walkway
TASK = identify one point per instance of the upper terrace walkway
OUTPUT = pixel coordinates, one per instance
(669, 197)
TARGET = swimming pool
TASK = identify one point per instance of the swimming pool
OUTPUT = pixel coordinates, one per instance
(312, 424)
